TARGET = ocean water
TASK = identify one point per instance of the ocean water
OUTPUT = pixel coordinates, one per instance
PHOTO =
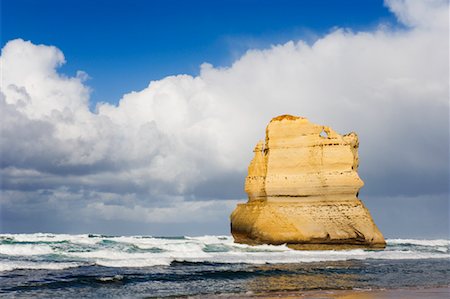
(97, 266)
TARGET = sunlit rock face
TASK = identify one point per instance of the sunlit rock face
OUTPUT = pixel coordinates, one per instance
(302, 188)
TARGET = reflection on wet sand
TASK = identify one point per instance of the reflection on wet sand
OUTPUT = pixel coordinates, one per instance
(295, 277)
(412, 293)
(343, 280)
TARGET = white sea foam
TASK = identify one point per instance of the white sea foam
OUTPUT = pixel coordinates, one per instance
(143, 251)
(43, 237)
(25, 249)
(111, 278)
(13, 265)
(134, 263)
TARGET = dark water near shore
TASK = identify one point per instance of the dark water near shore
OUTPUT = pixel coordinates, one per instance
(83, 266)
(181, 279)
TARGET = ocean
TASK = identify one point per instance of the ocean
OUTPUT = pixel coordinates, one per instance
(96, 266)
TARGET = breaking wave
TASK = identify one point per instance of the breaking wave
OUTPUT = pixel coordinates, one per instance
(61, 251)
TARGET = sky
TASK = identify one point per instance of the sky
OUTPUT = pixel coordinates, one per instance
(149, 40)
(139, 117)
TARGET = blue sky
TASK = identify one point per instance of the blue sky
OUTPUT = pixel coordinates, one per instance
(123, 45)
(115, 155)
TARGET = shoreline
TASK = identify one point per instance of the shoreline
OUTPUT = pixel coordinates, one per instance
(413, 293)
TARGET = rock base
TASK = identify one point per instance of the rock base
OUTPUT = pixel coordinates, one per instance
(307, 224)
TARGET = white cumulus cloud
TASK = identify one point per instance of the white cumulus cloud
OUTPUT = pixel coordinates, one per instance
(186, 138)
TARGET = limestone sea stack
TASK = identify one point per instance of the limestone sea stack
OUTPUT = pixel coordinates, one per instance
(302, 188)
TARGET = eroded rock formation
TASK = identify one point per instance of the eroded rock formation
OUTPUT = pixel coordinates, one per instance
(302, 188)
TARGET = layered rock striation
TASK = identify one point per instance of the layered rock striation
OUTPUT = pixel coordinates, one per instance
(302, 188)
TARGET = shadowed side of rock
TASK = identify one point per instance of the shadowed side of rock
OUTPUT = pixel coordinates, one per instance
(302, 186)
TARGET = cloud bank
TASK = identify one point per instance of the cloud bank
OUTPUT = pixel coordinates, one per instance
(177, 151)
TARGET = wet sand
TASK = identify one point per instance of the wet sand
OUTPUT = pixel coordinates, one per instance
(374, 294)
(410, 293)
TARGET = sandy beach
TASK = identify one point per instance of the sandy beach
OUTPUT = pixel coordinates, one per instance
(410, 293)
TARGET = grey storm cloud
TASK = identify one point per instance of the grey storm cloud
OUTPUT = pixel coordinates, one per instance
(177, 151)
